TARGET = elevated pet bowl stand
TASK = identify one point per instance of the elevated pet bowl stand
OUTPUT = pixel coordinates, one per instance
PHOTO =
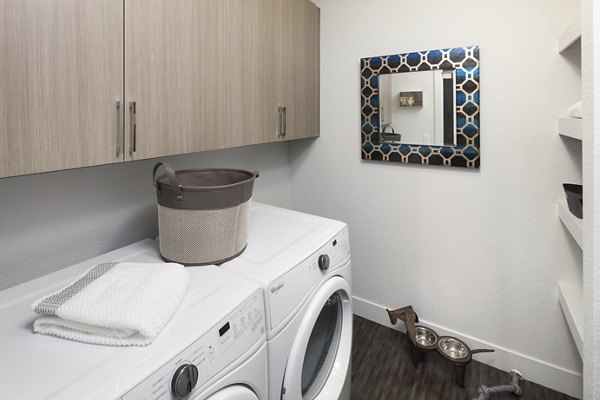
(424, 339)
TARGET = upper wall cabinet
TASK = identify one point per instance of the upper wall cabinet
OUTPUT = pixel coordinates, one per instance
(271, 71)
(89, 82)
(172, 77)
(300, 84)
(61, 76)
(251, 71)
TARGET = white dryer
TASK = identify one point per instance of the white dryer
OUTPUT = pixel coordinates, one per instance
(302, 262)
(213, 348)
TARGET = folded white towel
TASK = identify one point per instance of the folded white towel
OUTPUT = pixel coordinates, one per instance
(118, 304)
(575, 111)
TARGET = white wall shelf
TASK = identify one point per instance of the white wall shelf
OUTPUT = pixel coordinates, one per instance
(570, 298)
(571, 36)
(570, 127)
(573, 224)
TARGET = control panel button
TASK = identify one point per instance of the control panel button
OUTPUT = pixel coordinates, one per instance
(324, 262)
(184, 380)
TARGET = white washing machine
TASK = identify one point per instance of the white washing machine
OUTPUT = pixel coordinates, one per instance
(302, 262)
(219, 329)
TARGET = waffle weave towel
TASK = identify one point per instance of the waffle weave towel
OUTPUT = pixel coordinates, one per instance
(116, 304)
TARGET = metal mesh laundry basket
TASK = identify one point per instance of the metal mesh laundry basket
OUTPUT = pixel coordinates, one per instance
(203, 213)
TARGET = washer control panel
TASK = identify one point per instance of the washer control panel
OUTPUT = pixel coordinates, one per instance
(338, 249)
(207, 356)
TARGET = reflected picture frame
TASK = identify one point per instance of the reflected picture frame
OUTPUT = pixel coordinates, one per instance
(411, 99)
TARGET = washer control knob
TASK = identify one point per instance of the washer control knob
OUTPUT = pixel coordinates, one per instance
(323, 262)
(184, 380)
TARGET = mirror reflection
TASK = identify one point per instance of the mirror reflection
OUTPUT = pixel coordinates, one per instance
(418, 108)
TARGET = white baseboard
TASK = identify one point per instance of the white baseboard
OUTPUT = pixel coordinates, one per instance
(543, 373)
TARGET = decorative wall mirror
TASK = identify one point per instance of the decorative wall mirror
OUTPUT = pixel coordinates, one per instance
(422, 107)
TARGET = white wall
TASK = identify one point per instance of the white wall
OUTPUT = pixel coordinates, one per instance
(500, 246)
(591, 182)
(50, 221)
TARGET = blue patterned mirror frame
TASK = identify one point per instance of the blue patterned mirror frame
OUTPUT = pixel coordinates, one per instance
(465, 62)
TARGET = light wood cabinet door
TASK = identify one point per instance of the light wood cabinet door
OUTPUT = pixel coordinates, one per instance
(300, 81)
(61, 73)
(173, 74)
(251, 71)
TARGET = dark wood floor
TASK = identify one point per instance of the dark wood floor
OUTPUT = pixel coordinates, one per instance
(382, 370)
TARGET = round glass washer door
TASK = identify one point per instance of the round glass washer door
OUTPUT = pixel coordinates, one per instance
(322, 347)
(320, 355)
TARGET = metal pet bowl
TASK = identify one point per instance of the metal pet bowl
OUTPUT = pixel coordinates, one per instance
(453, 348)
(425, 337)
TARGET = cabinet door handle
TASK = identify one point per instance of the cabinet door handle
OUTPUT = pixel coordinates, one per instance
(280, 122)
(278, 132)
(284, 121)
(120, 129)
(132, 126)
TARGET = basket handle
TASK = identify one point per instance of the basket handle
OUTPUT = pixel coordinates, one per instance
(171, 176)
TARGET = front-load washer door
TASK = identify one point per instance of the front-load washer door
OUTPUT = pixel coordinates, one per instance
(320, 355)
(236, 392)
